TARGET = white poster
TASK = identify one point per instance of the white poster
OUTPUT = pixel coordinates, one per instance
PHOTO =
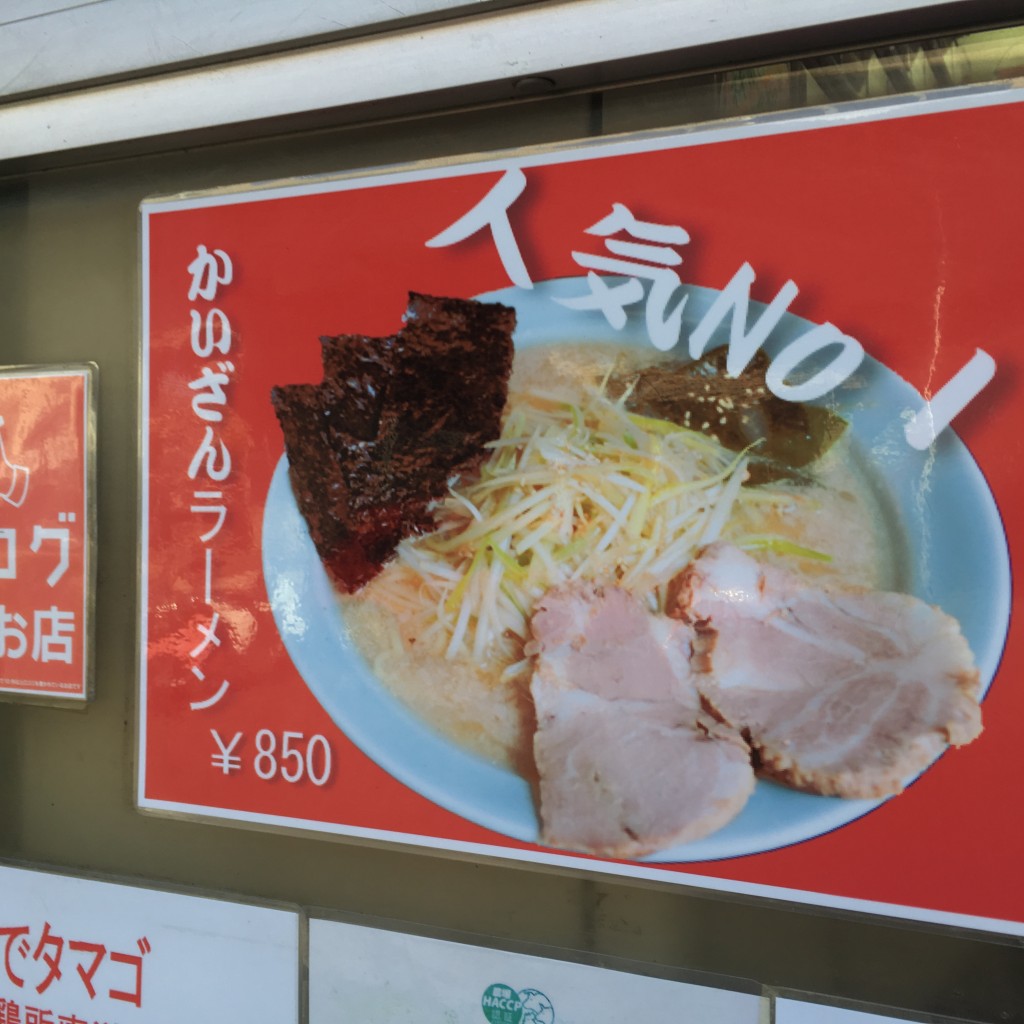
(77, 951)
(357, 973)
(792, 1011)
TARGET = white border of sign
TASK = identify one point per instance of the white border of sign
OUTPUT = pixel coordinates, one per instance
(89, 372)
(201, 958)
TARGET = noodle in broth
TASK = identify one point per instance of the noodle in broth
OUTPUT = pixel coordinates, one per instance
(614, 496)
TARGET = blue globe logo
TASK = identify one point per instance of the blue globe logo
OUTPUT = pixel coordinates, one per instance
(537, 1008)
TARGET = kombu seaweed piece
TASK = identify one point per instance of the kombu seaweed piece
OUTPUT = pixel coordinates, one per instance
(739, 412)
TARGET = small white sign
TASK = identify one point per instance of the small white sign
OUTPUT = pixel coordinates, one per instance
(77, 951)
(359, 973)
(793, 1011)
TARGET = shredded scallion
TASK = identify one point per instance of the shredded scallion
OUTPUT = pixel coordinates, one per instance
(576, 487)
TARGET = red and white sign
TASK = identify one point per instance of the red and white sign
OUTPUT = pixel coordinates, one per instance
(79, 951)
(870, 254)
(45, 531)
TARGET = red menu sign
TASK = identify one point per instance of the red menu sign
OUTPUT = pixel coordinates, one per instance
(45, 531)
(638, 507)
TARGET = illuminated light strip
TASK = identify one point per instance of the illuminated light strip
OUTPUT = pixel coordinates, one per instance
(501, 46)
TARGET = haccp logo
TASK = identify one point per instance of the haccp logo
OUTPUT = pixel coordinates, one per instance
(502, 1004)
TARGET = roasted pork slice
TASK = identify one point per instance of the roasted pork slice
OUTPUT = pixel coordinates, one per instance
(628, 763)
(839, 692)
(373, 445)
(622, 778)
(603, 640)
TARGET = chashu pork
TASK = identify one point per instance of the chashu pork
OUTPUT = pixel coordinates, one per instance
(839, 692)
(628, 761)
